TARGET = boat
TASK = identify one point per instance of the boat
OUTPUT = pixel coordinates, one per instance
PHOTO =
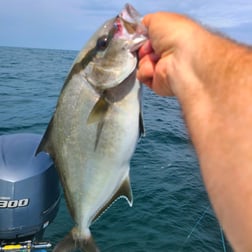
(29, 193)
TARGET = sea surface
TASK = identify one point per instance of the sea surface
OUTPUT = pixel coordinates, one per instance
(171, 210)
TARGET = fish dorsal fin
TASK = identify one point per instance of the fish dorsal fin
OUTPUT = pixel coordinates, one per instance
(99, 111)
(141, 121)
(141, 125)
(45, 143)
(124, 191)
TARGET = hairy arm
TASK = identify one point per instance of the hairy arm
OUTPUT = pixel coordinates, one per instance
(219, 120)
(218, 113)
(212, 79)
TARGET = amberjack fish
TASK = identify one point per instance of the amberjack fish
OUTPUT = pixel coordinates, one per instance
(96, 125)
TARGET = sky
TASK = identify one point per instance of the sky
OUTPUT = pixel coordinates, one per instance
(68, 24)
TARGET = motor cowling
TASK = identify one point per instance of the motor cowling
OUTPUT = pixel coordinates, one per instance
(29, 188)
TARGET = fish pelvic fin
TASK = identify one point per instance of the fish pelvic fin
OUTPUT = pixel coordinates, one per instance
(99, 111)
(73, 241)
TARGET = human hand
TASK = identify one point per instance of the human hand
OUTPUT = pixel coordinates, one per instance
(165, 58)
(211, 77)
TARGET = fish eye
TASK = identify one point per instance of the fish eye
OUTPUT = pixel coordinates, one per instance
(102, 42)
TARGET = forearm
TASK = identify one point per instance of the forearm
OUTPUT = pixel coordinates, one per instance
(211, 77)
(217, 106)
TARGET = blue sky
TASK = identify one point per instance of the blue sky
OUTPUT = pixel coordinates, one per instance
(67, 24)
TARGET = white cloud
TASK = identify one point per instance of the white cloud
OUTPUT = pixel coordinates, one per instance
(52, 23)
(222, 14)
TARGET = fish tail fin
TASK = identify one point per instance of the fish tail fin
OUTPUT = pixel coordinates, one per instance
(72, 242)
(88, 245)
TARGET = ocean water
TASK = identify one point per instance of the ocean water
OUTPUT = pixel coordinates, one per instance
(171, 210)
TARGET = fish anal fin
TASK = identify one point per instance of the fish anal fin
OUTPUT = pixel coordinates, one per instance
(73, 241)
(45, 143)
(99, 111)
(124, 191)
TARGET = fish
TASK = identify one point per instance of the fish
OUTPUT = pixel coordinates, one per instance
(97, 124)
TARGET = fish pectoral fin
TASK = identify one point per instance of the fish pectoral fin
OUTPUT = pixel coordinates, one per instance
(99, 111)
(72, 242)
(124, 191)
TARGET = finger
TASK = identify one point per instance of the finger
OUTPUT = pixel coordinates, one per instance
(146, 48)
(146, 68)
(147, 19)
(160, 83)
(148, 83)
(143, 78)
(152, 57)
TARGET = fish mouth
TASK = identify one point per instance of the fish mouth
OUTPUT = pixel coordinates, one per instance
(130, 23)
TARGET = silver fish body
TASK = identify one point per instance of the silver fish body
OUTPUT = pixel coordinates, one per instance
(96, 125)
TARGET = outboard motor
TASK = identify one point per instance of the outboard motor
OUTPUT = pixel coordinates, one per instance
(29, 189)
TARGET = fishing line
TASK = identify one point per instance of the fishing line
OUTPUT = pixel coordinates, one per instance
(193, 229)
